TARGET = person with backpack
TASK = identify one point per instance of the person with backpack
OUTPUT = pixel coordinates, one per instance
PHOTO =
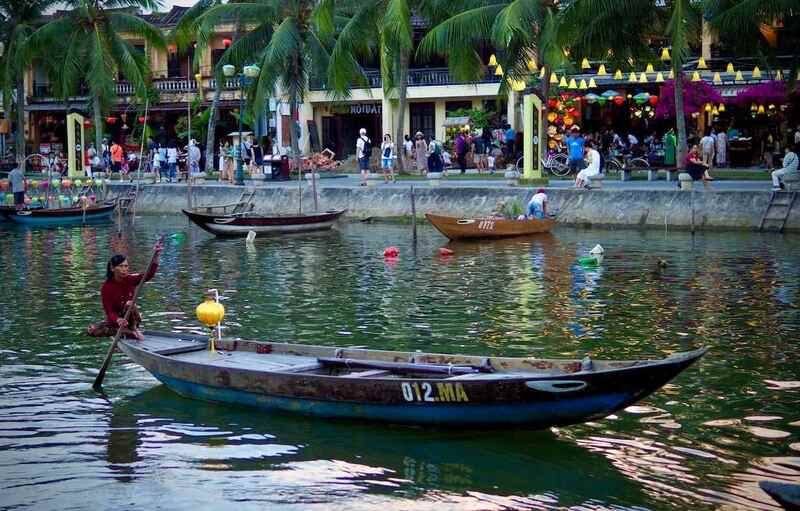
(387, 157)
(435, 163)
(363, 152)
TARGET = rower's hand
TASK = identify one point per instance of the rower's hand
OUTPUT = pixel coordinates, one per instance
(159, 246)
(122, 322)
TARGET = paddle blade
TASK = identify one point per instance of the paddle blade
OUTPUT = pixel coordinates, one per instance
(251, 236)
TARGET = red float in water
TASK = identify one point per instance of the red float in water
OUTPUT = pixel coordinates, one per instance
(391, 252)
(444, 251)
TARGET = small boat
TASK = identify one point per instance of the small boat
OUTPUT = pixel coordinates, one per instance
(239, 224)
(482, 228)
(785, 494)
(61, 216)
(402, 387)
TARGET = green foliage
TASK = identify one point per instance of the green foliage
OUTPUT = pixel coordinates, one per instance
(480, 118)
(200, 118)
(512, 209)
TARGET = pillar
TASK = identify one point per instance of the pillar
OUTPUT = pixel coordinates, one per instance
(511, 109)
(532, 109)
(438, 119)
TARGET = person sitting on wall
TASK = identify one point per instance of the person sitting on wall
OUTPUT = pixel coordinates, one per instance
(593, 162)
(695, 166)
(790, 164)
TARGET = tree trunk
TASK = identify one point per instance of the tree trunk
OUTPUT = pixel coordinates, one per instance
(20, 131)
(295, 146)
(545, 92)
(401, 114)
(212, 126)
(98, 129)
(680, 119)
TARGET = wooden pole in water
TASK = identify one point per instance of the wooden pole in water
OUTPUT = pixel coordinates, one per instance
(691, 198)
(413, 215)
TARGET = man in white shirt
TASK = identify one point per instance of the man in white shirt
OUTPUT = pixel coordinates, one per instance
(363, 145)
(790, 166)
(193, 158)
(707, 149)
(592, 159)
(797, 136)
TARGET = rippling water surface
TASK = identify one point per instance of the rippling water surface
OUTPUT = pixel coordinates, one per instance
(702, 442)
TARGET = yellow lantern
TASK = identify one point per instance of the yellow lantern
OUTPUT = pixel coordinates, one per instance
(562, 82)
(659, 77)
(592, 83)
(665, 54)
(671, 74)
(553, 78)
(708, 107)
(532, 67)
(632, 77)
(761, 109)
(198, 77)
(210, 313)
(756, 72)
(601, 71)
(585, 63)
(643, 78)
(721, 107)
(714, 111)
(498, 70)
(730, 69)
(649, 69)
(739, 77)
(542, 72)
(754, 107)
(779, 76)
(572, 84)
(701, 64)
(695, 76)
(717, 78)
(492, 60)
(582, 85)
(618, 75)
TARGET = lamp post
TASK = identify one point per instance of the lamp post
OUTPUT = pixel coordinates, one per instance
(247, 74)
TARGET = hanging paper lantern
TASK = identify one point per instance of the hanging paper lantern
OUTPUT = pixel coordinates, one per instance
(708, 107)
(111, 119)
(498, 71)
(632, 77)
(532, 67)
(87, 123)
(585, 64)
(568, 121)
(553, 78)
(756, 72)
(582, 85)
(643, 78)
(619, 100)
(601, 71)
(552, 102)
(55, 184)
(739, 77)
(141, 119)
(649, 69)
(591, 98)
(701, 64)
(659, 77)
(761, 109)
(729, 69)
(562, 82)
(66, 183)
(172, 48)
(227, 42)
(3, 185)
(492, 59)
(78, 183)
(552, 116)
(717, 78)
(542, 72)
(665, 54)
(618, 75)
(653, 100)
(610, 94)
(602, 100)
(34, 184)
(641, 98)
(779, 76)
(592, 83)
(671, 74)
(551, 144)
(722, 107)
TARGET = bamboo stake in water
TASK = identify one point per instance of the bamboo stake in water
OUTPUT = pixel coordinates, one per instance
(413, 216)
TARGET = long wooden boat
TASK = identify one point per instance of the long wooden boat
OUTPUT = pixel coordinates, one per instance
(482, 228)
(785, 494)
(403, 387)
(239, 224)
(61, 216)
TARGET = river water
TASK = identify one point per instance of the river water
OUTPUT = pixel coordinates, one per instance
(702, 442)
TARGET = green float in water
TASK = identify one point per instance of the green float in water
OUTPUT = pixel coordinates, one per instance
(595, 259)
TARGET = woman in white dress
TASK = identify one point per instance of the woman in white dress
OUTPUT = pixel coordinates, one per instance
(592, 158)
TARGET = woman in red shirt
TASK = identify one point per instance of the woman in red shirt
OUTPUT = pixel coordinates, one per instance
(117, 293)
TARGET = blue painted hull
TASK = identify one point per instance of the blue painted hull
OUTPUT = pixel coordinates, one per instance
(65, 216)
(534, 414)
(559, 393)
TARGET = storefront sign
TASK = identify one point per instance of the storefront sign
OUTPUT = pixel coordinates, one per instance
(366, 108)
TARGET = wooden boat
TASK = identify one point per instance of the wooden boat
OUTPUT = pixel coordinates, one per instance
(61, 216)
(785, 494)
(239, 224)
(482, 228)
(404, 387)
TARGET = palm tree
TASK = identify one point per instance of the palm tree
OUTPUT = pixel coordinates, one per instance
(17, 19)
(521, 31)
(92, 49)
(288, 39)
(621, 25)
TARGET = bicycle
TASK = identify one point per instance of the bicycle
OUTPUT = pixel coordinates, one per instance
(555, 163)
(615, 164)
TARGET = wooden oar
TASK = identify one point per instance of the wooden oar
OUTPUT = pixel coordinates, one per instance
(98, 382)
(404, 367)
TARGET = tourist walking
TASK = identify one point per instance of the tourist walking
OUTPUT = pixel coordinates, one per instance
(511, 140)
(363, 153)
(721, 149)
(575, 144)
(461, 151)
(708, 146)
(116, 157)
(408, 147)
(193, 158)
(592, 166)
(790, 166)
(159, 166)
(172, 161)
(17, 180)
(387, 158)
(421, 153)
(117, 293)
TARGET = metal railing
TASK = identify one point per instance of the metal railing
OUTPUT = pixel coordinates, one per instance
(416, 78)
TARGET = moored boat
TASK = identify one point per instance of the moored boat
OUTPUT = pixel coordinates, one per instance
(481, 228)
(239, 224)
(61, 216)
(403, 387)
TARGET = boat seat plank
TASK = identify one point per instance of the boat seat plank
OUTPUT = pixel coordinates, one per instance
(303, 368)
(248, 360)
(182, 349)
(369, 374)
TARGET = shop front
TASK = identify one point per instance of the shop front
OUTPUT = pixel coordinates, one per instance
(342, 123)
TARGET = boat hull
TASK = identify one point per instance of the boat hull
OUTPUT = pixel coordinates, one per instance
(235, 225)
(61, 216)
(487, 228)
(534, 401)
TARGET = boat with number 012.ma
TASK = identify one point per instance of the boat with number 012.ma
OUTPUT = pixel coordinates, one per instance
(402, 387)
(482, 228)
(61, 216)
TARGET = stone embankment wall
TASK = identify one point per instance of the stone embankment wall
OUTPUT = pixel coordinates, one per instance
(603, 208)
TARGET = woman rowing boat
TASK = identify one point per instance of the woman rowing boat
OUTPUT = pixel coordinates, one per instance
(117, 292)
